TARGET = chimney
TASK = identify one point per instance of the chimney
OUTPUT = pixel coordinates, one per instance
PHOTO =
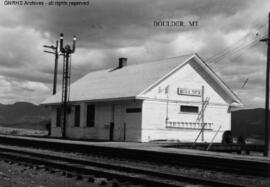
(122, 62)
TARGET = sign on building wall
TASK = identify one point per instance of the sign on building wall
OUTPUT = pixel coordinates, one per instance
(190, 92)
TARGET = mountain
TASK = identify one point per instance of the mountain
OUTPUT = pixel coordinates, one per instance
(24, 115)
(248, 123)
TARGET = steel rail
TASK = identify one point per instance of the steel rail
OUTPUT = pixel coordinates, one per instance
(142, 175)
(229, 165)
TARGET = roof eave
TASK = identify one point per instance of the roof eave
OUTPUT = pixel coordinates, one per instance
(94, 100)
(225, 87)
(237, 105)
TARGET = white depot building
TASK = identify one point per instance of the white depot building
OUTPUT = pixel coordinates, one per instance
(178, 98)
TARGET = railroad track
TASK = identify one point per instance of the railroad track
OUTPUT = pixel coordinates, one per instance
(136, 174)
(228, 165)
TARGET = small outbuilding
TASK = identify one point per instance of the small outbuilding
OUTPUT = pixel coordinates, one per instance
(178, 98)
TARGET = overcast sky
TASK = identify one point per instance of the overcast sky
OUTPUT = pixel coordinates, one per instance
(109, 29)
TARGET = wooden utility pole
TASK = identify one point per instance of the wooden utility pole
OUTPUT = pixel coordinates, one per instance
(266, 132)
(56, 53)
(55, 69)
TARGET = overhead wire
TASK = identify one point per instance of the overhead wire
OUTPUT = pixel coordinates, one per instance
(238, 42)
(238, 45)
(233, 50)
(237, 50)
(228, 49)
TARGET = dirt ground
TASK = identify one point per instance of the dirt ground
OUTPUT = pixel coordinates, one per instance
(22, 132)
(15, 175)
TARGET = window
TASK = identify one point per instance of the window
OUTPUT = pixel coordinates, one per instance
(58, 117)
(133, 110)
(77, 116)
(90, 116)
(190, 109)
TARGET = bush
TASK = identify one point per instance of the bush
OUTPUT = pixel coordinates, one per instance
(227, 137)
(241, 140)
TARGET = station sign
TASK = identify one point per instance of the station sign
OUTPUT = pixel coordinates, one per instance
(190, 92)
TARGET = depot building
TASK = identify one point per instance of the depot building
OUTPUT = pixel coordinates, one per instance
(178, 98)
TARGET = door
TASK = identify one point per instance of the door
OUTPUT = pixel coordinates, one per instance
(111, 131)
(133, 119)
(118, 131)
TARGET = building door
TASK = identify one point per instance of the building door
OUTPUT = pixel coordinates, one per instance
(133, 120)
(119, 114)
(127, 122)
(111, 131)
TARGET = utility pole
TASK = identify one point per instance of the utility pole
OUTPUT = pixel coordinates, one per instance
(167, 104)
(266, 138)
(55, 48)
(203, 103)
(55, 52)
(67, 51)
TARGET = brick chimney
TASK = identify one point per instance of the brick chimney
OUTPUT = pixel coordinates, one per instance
(122, 62)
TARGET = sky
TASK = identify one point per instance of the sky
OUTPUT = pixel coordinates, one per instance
(226, 36)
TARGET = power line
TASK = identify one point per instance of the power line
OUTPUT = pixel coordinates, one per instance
(237, 45)
(236, 50)
(228, 49)
(241, 40)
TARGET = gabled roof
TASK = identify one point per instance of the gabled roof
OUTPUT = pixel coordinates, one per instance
(129, 81)
(125, 82)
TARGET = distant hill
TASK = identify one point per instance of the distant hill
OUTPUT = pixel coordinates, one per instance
(248, 123)
(24, 115)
